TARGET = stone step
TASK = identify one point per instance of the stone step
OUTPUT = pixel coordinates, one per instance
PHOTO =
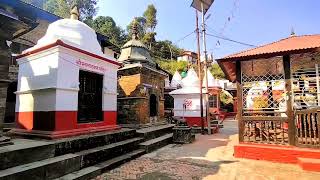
(309, 164)
(96, 170)
(84, 142)
(96, 155)
(155, 131)
(24, 151)
(45, 169)
(156, 143)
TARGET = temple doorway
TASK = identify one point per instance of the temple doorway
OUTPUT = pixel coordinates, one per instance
(90, 97)
(153, 105)
(11, 102)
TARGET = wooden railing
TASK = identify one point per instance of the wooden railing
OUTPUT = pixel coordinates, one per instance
(265, 130)
(307, 123)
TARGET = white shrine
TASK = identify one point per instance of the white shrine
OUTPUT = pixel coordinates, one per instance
(66, 85)
(187, 99)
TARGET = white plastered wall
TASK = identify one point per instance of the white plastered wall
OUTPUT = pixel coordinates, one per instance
(37, 79)
(190, 111)
(49, 81)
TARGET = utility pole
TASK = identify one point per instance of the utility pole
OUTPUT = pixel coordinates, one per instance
(205, 68)
(204, 6)
(199, 72)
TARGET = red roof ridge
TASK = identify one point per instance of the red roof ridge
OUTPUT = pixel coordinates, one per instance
(293, 36)
(63, 44)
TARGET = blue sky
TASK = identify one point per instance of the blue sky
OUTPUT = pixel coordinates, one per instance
(255, 22)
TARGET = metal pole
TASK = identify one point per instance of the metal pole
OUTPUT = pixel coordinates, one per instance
(205, 67)
(199, 72)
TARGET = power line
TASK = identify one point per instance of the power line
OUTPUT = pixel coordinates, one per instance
(184, 37)
(231, 40)
(231, 16)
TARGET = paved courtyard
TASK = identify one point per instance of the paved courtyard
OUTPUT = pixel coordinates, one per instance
(210, 157)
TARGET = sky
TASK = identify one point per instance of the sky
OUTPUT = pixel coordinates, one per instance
(254, 22)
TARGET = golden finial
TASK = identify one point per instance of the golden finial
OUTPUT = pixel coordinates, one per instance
(74, 13)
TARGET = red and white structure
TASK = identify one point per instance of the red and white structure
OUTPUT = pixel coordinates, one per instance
(49, 83)
(187, 99)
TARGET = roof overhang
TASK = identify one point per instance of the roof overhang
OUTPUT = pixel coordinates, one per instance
(62, 44)
(228, 64)
(11, 26)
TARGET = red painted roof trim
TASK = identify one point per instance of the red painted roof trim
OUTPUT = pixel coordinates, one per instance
(61, 43)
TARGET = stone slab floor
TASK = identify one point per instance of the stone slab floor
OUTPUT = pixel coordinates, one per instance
(209, 157)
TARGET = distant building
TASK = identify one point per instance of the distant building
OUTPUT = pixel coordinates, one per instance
(188, 56)
(191, 57)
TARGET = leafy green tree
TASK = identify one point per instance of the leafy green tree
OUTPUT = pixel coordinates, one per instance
(163, 49)
(149, 39)
(172, 66)
(58, 7)
(87, 8)
(217, 71)
(151, 17)
(108, 27)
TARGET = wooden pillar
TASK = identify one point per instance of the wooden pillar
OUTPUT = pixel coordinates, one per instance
(288, 88)
(239, 101)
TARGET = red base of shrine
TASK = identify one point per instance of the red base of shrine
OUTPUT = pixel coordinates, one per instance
(195, 121)
(308, 159)
(60, 124)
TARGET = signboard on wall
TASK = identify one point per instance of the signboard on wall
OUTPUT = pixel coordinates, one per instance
(187, 103)
(89, 66)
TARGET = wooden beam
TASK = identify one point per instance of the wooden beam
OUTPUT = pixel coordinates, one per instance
(264, 118)
(239, 101)
(288, 89)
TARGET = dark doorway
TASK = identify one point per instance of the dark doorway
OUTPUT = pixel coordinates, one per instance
(90, 97)
(11, 103)
(153, 105)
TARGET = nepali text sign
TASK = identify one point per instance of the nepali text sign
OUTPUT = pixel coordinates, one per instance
(90, 66)
(188, 103)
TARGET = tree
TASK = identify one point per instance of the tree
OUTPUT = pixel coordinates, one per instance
(58, 7)
(172, 66)
(108, 27)
(163, 49)
(217, 71)
(151, 17)
(149, 38)
(87, 8)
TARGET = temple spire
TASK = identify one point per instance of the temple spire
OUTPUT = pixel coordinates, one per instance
(74, 13)
(135, 29)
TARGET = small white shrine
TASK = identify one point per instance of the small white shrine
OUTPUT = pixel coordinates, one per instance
(176, 80)
(187, 99)
(66, 85)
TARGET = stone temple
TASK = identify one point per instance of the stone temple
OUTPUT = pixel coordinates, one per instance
(140, 85)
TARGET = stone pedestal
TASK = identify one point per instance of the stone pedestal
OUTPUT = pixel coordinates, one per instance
(183, 135)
